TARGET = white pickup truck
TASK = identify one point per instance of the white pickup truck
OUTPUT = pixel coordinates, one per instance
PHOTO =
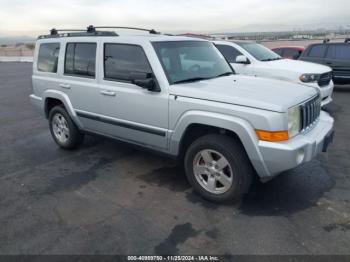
(250, 58)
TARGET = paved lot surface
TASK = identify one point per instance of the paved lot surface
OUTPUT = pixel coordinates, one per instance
(107, 198)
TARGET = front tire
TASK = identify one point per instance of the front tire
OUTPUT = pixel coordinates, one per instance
(218, 168)
(63, 130)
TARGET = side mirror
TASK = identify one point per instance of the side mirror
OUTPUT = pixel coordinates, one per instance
(145, 80)
(242, 59)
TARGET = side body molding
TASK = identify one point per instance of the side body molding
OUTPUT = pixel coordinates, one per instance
(240, 127)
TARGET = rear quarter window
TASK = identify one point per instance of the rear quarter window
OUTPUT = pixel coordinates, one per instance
(48, 57)
(339, 52)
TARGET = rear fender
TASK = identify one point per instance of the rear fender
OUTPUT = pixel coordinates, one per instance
(66, 102)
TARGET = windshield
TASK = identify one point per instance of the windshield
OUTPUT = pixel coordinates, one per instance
(188, 61)
(260, 52)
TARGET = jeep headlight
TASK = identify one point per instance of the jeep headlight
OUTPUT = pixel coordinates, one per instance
(294, 121)
(309, 78)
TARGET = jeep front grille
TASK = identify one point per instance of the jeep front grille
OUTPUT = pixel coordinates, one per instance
(310, 112)
(325, 79)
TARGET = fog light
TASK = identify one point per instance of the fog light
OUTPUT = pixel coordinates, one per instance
(300, 156)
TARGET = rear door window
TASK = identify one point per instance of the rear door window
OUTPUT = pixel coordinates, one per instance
(339, 52)
(229, 52)
(80, 59)
(48, 57)
(317, 51)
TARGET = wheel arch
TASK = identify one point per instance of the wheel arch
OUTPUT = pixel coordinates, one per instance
(193, 125)
(197, 130)
(53, 97)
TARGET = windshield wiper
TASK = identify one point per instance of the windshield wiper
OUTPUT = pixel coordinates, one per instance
(271, 59)
(193, 79)
(224, 74)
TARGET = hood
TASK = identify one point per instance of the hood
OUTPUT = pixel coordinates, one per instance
(300, 67)
(262, 93)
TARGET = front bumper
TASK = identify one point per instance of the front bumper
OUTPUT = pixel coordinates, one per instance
(325, 92)
(279, 157)
(37, 102)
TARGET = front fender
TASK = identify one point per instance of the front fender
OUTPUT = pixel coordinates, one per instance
(239, 126)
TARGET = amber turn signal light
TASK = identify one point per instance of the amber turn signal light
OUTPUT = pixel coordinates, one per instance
(272, 136)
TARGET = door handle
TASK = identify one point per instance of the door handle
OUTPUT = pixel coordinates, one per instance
(66, 86)
(108, 93)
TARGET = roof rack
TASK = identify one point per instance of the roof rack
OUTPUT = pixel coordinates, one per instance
(91, 31)
(151, 31)
(55, 31)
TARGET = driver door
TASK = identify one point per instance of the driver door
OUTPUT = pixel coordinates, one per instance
(130, 112)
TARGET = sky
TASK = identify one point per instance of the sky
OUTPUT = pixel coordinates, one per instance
(33, 17)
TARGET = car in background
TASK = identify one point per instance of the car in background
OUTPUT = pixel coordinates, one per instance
(334, 55)
(289, 52)
(250, 58)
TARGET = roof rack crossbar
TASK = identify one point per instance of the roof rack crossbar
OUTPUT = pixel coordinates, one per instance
(55, 31)
(151, 31)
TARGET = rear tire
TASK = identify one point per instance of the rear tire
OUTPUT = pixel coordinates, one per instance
(218, 168)
(63, 130)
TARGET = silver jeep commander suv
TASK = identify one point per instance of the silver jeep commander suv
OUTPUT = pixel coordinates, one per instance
(179, 96)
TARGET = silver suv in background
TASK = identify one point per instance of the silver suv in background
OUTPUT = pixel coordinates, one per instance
(178, 96)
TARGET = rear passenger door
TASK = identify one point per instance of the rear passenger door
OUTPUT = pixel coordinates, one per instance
(79, 80)
(338, 57)
(130, 112)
